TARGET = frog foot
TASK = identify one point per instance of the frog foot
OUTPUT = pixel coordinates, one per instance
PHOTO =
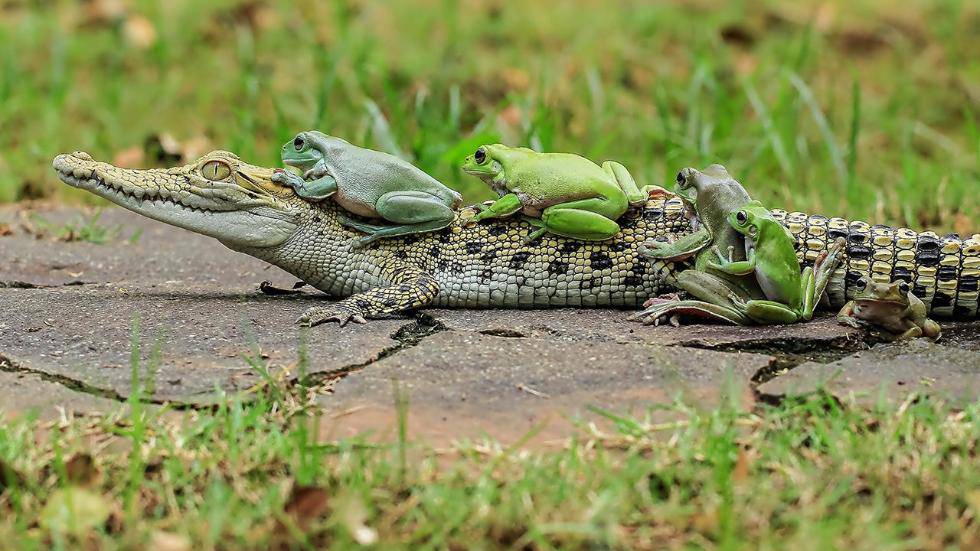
(340, 312)
(669, 297)
(286, 178)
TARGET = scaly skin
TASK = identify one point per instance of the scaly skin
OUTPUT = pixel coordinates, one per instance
(488, 265)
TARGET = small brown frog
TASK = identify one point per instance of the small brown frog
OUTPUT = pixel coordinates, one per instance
(890, 307)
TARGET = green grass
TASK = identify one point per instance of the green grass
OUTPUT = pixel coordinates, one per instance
(803, 475)
(863, 109)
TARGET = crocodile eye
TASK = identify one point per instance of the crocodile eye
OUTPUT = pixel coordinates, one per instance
(741, 217)
(480, 155)
(680, 177)
(904, 288)
(861, 284)
(216, 170)
(298, 143)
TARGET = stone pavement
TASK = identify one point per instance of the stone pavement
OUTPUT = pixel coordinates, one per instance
(67, 312)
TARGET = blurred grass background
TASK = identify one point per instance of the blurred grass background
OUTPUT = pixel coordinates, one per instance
(864, 108)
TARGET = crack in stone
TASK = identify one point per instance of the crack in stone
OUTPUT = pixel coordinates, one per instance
(788, 353)
(407, 336)
(10, 366)
(17, 284)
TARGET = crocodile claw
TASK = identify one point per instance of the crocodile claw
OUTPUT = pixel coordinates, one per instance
(318, 315)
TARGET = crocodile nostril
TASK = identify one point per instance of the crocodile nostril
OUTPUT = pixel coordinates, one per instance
(82, 155)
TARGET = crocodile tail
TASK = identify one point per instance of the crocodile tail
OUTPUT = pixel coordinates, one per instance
(943, 271)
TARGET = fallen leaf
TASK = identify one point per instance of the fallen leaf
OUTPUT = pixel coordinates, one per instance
(81, 469)
(741, 470)
(5, 229)
(75, 511)
(511, 115)
(103, 10)
(162, 149)
(195, 147)
(962, 224)
(167, 541)
(139, 31)
(131, 157)
(306, 504)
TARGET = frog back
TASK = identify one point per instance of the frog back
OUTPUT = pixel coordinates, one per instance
(364, 175)
(546, 177)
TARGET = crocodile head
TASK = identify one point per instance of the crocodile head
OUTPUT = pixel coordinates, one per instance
(218, 195)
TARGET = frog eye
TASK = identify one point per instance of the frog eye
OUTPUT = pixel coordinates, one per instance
(480, 155)
(904, 288)
(741, 217)
(299, 143)
(215, 170)
(861, 284)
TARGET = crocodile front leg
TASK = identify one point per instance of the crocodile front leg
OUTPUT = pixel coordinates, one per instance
(408, 288)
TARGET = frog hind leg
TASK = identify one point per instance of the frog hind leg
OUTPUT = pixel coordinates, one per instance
(411, 212)
(691, 308)
(634, 194)
(715, 301)
(823, 268)
(585, 219)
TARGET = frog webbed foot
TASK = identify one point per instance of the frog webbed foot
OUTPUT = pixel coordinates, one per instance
(286, 178)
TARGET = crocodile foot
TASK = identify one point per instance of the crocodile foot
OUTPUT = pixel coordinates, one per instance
(342, 312)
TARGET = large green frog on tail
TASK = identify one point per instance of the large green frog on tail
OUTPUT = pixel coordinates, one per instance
(745, 269)
(560, 193)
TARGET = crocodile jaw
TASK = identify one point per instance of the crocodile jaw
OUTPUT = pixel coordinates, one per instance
(234, 215)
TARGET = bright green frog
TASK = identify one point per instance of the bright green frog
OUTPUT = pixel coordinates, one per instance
(368, 183)
(891, 307)
(561, 193)
(770, 255)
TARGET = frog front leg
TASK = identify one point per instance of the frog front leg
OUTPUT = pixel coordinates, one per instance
(312, 190)
(682, 249)
(634, 194)
(504, 206)
(411, 212)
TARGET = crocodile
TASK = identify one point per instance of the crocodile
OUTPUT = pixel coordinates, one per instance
(492, 264)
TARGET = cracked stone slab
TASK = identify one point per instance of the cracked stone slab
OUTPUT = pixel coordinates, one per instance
(199, 296)
(612, 326)
(890, 372)
(83, 334)
(463, 382)
(26, 393)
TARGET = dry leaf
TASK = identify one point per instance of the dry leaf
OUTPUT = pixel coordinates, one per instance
(162, 149)
(195, 147)
(81, 469)
(511, 116)
(131, 157)
(306, 504)
(139, 31)
(74, 511)
(961, 224)
(741, 471)
(167, 541)
(5, 229)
